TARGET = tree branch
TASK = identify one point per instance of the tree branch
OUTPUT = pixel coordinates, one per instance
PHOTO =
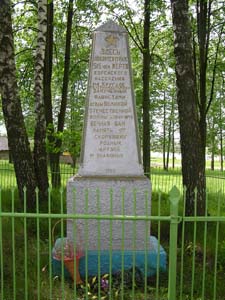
(208, 31)
(140, 46)
(24, 50)
(214, 71)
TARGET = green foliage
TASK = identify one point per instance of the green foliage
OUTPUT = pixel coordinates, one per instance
(55, 136)
(87, 16)
(72, 142)
(25, 32)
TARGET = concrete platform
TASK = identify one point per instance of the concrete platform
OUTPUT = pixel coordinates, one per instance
(128, 257)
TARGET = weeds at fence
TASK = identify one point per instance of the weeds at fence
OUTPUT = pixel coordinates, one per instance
(26, 244)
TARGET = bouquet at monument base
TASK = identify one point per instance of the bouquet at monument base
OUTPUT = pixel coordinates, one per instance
(64, 250)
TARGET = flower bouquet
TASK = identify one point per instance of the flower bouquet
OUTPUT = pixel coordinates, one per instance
(64, 250)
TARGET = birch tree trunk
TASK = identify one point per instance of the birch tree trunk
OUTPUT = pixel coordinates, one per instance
(12, 111)
(40, 156)
(48, 89)
(193, 159)
(146, 95)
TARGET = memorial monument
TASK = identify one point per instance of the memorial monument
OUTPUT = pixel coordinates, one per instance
(110, 180)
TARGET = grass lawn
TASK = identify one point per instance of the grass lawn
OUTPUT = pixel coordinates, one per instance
(22, 237)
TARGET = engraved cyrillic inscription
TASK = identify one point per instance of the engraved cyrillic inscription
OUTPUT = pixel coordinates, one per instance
(110, 117)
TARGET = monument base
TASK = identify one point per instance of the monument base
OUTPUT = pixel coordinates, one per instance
(107, 201)
(145, 261)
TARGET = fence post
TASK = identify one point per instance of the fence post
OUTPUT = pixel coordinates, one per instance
(174, 197)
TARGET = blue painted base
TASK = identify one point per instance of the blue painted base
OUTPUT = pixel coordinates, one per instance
(129, 257)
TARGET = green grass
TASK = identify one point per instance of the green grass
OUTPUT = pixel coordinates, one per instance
(158, 162)
(161, 179)
(8, 179)
(16, 225)
(198, 251)
(14, 276)
(39, 254)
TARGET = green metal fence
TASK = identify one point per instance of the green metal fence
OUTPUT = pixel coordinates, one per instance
(195, 248)
(161, 179)
(8, 178)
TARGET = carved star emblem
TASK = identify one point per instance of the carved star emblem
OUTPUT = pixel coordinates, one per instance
(111, 40)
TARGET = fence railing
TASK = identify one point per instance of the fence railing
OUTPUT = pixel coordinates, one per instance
(183, 259)
(160, 179)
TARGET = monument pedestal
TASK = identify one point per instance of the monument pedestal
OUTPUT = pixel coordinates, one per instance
(107, 196)
(112, 239)
(110, 195)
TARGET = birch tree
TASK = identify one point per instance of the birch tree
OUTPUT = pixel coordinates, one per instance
(40, 156)
(193, 159)
(11, 104)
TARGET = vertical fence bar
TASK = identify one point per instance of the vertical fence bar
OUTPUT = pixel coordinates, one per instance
(13, 244)
(182, 245)
(122, 245)
(50, 244)
(158, 248)
(174, 196)
(204, 248)
(99, 242)
(194, 247)
(146, 244)
(25, 247)
(134, 237)
(86, 244)
(38, 246)
(75, 232)
(1, 250)
(110, 244)
(62, 247)
(216, 250)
